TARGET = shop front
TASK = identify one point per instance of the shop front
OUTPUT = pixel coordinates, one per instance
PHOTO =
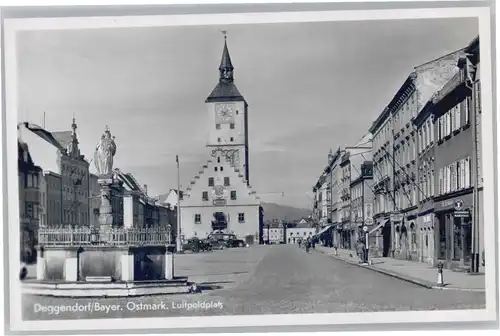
(454, 231)
(347, 236)
(406, 236)
(426, 235)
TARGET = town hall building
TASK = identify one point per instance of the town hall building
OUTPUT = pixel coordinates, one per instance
(220, 197)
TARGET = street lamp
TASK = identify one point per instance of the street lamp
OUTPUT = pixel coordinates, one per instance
(179, 196)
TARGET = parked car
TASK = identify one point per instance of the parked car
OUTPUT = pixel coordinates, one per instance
(225, 240)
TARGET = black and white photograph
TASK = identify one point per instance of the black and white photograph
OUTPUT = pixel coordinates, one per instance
(338, 164)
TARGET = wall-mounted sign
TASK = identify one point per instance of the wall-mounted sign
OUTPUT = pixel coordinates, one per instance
(396, 217)
(461, 214)
(459, 205)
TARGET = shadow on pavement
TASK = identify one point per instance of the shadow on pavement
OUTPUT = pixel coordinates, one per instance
(212, 274)
(207, 286)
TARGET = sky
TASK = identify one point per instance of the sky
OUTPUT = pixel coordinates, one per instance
(310, 87)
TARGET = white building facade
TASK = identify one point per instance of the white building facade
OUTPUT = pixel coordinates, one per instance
(294, 235)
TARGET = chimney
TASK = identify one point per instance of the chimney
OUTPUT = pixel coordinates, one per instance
(145, 187)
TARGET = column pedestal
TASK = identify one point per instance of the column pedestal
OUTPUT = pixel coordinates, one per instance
(127, 266)
(71, 266)
(169, 266)
(105, 209)
(40, 265)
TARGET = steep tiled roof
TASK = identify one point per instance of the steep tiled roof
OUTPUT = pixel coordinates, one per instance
(225, 92)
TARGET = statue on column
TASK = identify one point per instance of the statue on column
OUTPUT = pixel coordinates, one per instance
(104, 153)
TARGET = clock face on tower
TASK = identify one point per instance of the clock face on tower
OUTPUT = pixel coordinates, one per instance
(224, 113)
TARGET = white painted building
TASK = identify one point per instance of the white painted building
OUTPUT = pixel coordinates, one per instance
(273, 234)
(220, 197)
(293, 235)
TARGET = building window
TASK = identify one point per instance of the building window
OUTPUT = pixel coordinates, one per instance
(227, 181)
(241, 217)
(449, 123)
(466, 110)
(204, 196)
(210, 181)
(233, 195)
(461, 174)
(458, 118)
(217, 126)
(441, 181)
(231, 139)
(218, 139)
(221, 168)
(215, 168)
(231, 126)
(467, 172)
(454, 176)
(197, 218)
(218, 159)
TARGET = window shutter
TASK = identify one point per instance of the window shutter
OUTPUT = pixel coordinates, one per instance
(467, 173)
(440, 181)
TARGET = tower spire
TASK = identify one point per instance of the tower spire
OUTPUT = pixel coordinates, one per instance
(73, 149)
(226, 67)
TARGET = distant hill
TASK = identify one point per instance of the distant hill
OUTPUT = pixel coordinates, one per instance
(277, 211)
(272, 211)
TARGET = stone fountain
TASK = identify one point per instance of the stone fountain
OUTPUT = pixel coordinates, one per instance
(107, 260)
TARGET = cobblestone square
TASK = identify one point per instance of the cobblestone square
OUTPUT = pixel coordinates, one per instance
(276, 279)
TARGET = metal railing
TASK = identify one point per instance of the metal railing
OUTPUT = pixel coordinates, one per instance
(85, 236)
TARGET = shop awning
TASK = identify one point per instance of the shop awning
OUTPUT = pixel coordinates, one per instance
(323, 230)
(381, 224)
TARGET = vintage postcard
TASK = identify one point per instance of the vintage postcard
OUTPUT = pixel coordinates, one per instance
(173, 170)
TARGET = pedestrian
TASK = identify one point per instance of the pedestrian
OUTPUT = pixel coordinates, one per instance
(313, 243)
(308, 245)
(361, 251)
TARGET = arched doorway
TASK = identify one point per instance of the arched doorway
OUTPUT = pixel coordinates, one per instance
(386, 239)
(219, 222)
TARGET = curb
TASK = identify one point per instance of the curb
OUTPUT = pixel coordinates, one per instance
(421, 283)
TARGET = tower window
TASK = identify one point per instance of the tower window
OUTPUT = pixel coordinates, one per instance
(215, 168)
(218, 139)
(232, 139)
(226, 181)
(231, 126)
(217, 126)
(210, 181)
(233, 195)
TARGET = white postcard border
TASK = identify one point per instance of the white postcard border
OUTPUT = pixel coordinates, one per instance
(12, 26)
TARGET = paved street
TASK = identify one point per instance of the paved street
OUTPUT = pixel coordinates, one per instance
(270, 280)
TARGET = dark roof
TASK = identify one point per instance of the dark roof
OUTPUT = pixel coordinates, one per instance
(225, 92)
(63, 137)
(24, 159)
